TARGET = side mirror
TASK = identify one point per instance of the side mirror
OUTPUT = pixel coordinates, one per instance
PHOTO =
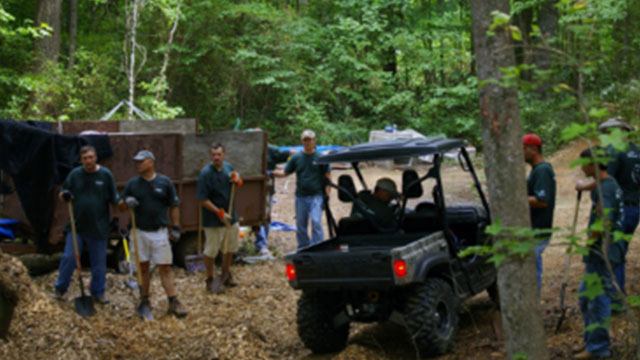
(346, 188)
(411, 185)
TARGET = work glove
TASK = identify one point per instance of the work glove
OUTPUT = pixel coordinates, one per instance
(224, 217)
(131, 202)
(175, 233)
(236, 179)
(66, 195)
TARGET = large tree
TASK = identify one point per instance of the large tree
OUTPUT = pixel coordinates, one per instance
(506, 178)
(49, 12)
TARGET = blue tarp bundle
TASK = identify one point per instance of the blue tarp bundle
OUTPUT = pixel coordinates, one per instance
(320, 148)
(6, 228)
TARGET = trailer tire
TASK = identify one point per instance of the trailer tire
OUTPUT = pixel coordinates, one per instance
(431, 317)
(316, 329)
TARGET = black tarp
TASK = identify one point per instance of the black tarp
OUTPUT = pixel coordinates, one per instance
(38, 160)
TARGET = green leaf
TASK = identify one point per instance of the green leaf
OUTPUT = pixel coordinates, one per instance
(574, 131)
(593, 286)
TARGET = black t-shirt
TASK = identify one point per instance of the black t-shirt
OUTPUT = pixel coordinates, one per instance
(155, 196)
(92, 194)
(215, 185)
(541, 184)
(625, 168)
(612, 210)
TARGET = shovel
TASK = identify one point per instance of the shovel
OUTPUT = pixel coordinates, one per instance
(195, 263)
(218, 282)
(130, 282)
(566, 265)
(83, 303)
(143, 310)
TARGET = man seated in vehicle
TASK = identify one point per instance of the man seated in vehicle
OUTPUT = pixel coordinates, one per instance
(378, 207)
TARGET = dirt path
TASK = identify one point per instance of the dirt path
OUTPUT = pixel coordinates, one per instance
(256, 320)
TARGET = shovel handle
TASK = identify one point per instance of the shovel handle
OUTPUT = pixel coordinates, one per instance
(225, 240)
(134, 231)
(74, 236)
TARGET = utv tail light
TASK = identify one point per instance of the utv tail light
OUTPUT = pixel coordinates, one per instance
(400, 268)
(290, 271)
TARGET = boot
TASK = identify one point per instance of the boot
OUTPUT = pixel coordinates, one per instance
(176, 308)
(227, 280)
(209, 285)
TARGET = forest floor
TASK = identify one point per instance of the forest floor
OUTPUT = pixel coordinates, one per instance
(256, 320)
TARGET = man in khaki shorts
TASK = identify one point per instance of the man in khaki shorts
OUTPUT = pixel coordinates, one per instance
(152, 196)
(220, 228)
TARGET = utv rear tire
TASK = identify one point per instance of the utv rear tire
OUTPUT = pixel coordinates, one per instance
(431, 317)
(316, 329)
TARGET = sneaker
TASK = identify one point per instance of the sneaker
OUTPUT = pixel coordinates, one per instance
(266, 254)
(176, 308)
(101, 299)
(58, 294)
(584, 355)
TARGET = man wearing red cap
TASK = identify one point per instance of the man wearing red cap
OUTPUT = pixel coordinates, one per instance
(541, 192)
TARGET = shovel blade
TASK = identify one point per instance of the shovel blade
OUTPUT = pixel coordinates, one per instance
(144, 311)
(84, 306)
(194, 263)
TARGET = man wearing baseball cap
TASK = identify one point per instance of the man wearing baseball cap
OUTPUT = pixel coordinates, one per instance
(379, 204)
(310, 188)
(541, 192)
(624, 167)
(152, 197)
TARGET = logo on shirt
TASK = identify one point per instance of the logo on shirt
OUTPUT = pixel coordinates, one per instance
(99, 182)
(541, 194)
(158, 190)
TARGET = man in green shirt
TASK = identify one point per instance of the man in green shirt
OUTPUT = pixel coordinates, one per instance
(377, 206)
(92, 188)
(624, 166)
(541, 192)
(152, 196)
(605, 219)
(310, 189)
(221, 228)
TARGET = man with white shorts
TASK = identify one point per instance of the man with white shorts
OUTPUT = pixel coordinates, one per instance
(152, 196)
(220, 228)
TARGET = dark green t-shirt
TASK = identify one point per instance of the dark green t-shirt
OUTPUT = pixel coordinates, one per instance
(383, 214)
(541, 183)
(155, 197)
(92, 193)
(275, 156)
(310, 177)
(625, 168)
(612, 209)
(215, 185)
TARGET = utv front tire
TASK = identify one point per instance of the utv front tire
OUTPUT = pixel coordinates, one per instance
(431, 317)
(316, 312)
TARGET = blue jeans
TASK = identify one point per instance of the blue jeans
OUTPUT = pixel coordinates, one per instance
(629, 225)
(262, 236)
(309, 208)
(97, 256)
(597, 312)
(539, 250)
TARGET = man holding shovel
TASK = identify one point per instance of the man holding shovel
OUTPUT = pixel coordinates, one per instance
(150, 197)
(90, 188)
(216, 189)
(604, 220)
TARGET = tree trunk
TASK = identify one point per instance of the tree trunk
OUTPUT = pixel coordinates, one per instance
(548, 22)
(48, 47)
(73, 30)
(505, 162)
(524, 54)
